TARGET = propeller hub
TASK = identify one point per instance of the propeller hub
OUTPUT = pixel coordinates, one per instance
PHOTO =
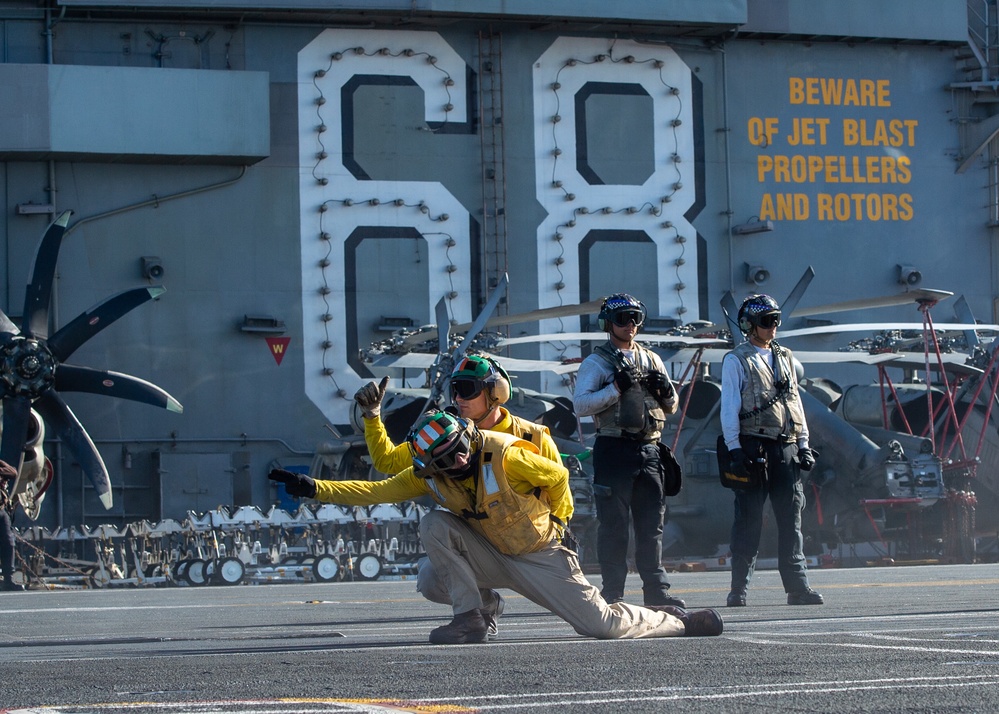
(27, 368)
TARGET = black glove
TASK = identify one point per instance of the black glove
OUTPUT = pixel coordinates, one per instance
(739, 464)
(624, 380)
(806, 459)
(298, 485)
(659, 386)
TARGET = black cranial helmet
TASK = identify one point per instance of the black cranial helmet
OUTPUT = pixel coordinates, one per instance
(620, 309)
(438, 440)
(754, 308)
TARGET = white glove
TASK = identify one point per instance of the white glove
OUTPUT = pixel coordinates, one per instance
(369, 398)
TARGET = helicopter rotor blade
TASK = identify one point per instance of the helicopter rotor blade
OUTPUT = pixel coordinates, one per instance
(963, 312)
(483, 320)
(913, 296)
(443, 326)
(72, 378)
(792, 300)
(731, 311)
(61, 419)
(39, 291)
(546, 313)
(68, 338)
(443, 368)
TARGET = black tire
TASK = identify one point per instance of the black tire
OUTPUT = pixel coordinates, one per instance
(194, 574)
(326, 568)
(178, 570)
(96, 579)
(151, 570)
(229, 571)
(368, 566)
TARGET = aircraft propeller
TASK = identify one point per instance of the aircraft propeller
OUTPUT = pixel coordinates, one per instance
(33, 373)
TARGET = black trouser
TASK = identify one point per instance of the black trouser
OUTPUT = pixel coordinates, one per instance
(787, 499)
(627, 482)
(6, 545)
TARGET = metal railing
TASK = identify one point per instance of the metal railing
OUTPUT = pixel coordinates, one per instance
(983, 37)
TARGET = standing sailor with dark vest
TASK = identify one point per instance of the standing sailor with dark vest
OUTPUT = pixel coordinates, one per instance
(625, 388)
(495, 530)
(763, 424)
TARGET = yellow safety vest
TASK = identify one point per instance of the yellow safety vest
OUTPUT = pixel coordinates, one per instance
(513, 522)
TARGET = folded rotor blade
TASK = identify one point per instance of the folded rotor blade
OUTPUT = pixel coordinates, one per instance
(16, 419)
(963, 311)
(483, 318)
(441, 372)
(915, 295)
(545, 313)
(731, 312)
(71, 378)
(64, 423)
(39, 290)
(68, 338)
(443, 326)
(792, 300)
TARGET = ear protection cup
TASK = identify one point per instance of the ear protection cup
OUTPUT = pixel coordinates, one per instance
(487, 372)
(500, 390)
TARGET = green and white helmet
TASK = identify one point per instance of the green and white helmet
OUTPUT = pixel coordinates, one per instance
(476, 373)
(437, 441)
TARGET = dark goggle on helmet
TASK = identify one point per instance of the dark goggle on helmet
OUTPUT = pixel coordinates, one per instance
(621, 309)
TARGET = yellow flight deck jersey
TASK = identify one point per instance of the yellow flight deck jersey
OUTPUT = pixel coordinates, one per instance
(524, 469)
(392, 458)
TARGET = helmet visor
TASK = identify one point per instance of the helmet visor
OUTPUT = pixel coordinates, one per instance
(624, 318)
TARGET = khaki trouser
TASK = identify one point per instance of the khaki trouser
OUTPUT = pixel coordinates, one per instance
(461, 564)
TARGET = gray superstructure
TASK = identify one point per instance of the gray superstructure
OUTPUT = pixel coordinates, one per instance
(303, 177)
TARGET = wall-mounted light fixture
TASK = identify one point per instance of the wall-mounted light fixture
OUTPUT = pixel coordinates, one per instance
(909, 275)
(152, 267)
(264, 324)
(753, 225)
(756, 274)
(391, 324)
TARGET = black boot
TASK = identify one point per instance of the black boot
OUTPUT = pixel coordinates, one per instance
(467, 628)
(9, 584)
(696, 623)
